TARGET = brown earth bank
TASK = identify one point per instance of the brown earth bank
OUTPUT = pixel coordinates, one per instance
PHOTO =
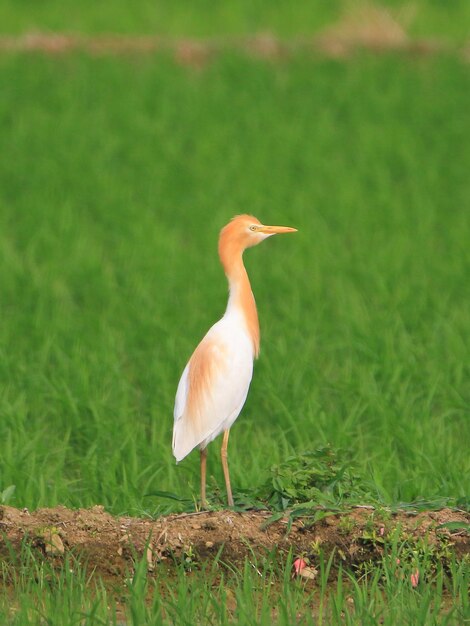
(197, 52)
(109, 546)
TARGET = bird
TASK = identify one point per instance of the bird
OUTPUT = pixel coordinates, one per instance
(215, 382)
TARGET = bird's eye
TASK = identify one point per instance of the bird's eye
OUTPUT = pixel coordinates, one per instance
(253, 227)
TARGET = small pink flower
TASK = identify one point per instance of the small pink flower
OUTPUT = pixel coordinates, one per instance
(415, 578)
(299, 565)
(382, 531)
(398, 561)
(301, 568)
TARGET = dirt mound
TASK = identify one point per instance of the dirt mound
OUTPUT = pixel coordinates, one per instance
(109, 545)
(374, 31)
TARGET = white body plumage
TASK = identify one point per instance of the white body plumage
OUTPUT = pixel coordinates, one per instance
(229, 346)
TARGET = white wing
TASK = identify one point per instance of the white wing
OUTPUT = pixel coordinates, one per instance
(213, 386)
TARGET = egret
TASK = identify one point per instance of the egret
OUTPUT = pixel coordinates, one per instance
(215, 382)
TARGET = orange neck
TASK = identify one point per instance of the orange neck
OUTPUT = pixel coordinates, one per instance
(241, 297)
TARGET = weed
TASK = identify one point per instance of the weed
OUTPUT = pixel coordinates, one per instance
(346, 525)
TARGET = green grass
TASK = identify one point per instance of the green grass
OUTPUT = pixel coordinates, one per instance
(258, 593)
(115, 180)
(428, 18)
(115, 177)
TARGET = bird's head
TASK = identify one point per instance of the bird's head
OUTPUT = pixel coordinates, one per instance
(245, 231)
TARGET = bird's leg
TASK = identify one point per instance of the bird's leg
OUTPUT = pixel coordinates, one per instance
(223, 455)
(203, 477)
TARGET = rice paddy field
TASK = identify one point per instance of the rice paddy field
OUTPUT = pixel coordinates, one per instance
(116, 175)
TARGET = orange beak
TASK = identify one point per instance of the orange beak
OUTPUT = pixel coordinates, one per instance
(276, 230)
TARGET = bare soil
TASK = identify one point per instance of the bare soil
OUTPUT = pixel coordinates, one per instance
(109, 546)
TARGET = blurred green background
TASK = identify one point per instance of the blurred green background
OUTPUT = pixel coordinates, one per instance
(116, 174)
(205, 18)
